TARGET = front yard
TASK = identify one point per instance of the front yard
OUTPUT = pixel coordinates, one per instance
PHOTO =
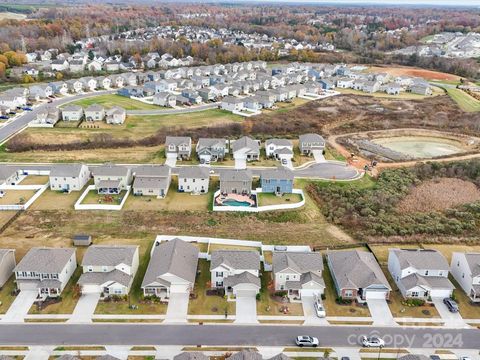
(270, 304)
(204, 304)
(6, 298)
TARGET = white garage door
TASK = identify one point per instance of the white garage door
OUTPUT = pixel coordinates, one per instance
(372, 294)
(440, 293)
(91, 289)
(24, 285)
(309, 292)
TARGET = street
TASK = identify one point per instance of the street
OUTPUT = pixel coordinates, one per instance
(231, 335)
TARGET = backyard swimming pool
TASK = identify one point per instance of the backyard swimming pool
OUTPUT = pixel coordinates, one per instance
(233, 202)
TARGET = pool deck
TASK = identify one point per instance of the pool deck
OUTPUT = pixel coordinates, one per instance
(219, 200)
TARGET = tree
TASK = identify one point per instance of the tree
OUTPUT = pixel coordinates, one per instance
(4, 60)
(27, 79)
(91, 55)
(59, 76)
(3, 69)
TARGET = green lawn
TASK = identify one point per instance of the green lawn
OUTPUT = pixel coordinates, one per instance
(94, 198)
(111, 100)
(265, 199)
(6, 298)
(465, 102)
(203, 304)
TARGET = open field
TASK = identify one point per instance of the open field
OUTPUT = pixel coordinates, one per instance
(402, 95)
(465, 101)
(12, 16)
(415, 72)
(265, 199)
(111, 100)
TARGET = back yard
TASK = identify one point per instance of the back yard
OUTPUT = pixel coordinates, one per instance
(111, 100)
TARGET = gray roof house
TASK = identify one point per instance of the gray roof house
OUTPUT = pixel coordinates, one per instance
(356, 274)
(7, 264)
(153, 180)
(236, 182)
(210, 150)
(298, 273)
(9, 175)
(235, 270)
(310, 142)
(111, 179)
(46, 270)
(193, 179)
(420, 273)
(109, 269)
(179, 147)
(95, 112)
(68, 177)
(191, 355)
(246, 354)
(172, 268)
(465, 269)
(72, 113)
(245, 148)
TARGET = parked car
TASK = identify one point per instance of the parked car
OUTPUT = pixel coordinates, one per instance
(12, 113)
(49, 101)
(345, 358)
(4, 117)
(434, 357)
(27, 109)
(465, 358)
(319, 308)
(306, 340)
(452, 306)
(372, 341)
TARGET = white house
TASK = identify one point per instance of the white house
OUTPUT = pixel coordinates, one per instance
(420, 273)
(72, 113)
(193, 179)
(279, 149)
(46, 270)
(94, 112)
(111, 179)
(465, 268)
(235, 270)
(116, 115)
(109, 269)
(231, 103)
(68, 177)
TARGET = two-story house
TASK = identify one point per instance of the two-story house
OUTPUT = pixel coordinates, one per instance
(465, 268)
(68, 177)
(277, 181)
(179, 147)
(109, 269)
(298, 273)
(211, 150)
(279, 149)
(310, 142)
(245, 148)
(46, 270)
(236, 182)
(193, 179)
(420, 273)
(111, 179)
(235, 270)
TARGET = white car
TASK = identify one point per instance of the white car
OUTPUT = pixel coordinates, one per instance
(373, 341)
(306, 340)
(319, 309)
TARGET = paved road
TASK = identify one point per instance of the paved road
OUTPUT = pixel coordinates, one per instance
(174, 111)
(230, 335)
(22, 121)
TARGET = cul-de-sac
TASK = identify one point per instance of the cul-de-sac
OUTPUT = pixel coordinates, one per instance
(236, 180)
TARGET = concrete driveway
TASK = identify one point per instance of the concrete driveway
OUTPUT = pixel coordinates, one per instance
(240, 163)
(318, 156)
(85, 308)
(309, 312)
(171, 160)
(177, 307)
(246, 307)
(20, 306)
(450, 319)
(380, 312)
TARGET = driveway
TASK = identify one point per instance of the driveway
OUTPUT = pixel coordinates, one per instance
(450, 319)
(171, 160)
(380, 312)
(85, 308)
(20, 306)
(318, 156)
(240, 163)
(177, 307)
(246, 307)
(309, 312)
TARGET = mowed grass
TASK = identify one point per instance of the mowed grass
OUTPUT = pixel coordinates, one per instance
(111, 100)
(265, 199)
(6, 298)
(464, 101)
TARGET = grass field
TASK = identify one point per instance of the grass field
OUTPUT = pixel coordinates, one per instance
(111, 100)
(265, 199)
(465, 101)
(6, 299)
(402, 95)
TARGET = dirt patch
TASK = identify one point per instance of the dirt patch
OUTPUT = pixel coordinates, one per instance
(409, 71)
(438, 195)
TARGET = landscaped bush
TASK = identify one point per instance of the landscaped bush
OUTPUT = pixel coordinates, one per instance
(413, 302)
(281, 293)
(342, 301)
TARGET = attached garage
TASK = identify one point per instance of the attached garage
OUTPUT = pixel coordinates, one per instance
(91, 289)
(440, 293)
(27, 285)
(375, 294)
(310, 292)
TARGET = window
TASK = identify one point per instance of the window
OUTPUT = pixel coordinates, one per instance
(54, 276)
(287, 277)
(426, 272)
(414, 294)
(348, 293)
(219, 274)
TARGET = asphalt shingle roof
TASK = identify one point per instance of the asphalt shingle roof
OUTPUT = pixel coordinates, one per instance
(106, 255)
(45, 260)
(236, 259)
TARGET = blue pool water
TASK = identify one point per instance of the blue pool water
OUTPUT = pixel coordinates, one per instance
(232, 202)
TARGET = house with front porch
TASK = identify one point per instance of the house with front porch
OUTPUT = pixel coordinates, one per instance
(357, 275)
(45, 270)
(179, 147)
(246, 149)
(172, 268)
(279, 149)
(111, 179)
(465, 268)
(235, 270)
(308, 143)
(211, 150)
(109, 269)
(298, 273)
(420, 273)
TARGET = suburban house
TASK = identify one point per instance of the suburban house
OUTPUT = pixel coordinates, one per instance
(357, 275)
(116, 115)
(310, 142)
(236, 182)
(68, 177)
(9, 175)
(47, 116)
(465, 268)
(165, 99)
(178, 146)
(420, 273)
(72, 113)
(245, 148)
(279, 149)
(193, 179)
(231, 103)
(211, 150)
(278, 181)
(46, 270)
(94, 112)
(172, 269)
(191, 355)
(298, 273)
(235, 270)
(111, 179)
(109, 269)
(152, 180)
(7, 264)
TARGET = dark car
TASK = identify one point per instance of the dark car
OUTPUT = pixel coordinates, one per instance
(12, 113)
(345, 358)
(4, 117)
(434, 357)
(451, 305)
(27, 108)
